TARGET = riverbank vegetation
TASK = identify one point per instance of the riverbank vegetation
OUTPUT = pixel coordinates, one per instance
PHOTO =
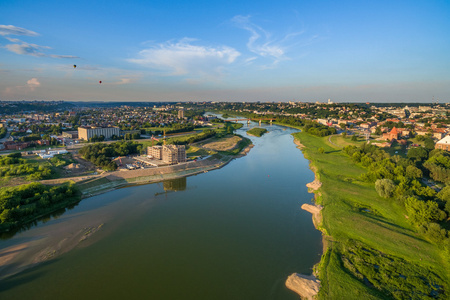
(22, 204)
(102, 154)
(385, 242)
(307, 125)
(16, 169)
(257, 131)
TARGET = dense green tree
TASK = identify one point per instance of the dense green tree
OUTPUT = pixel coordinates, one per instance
(434, 232)
(413, 172)
(444, 196)
(422, 212)
(429, 143)
(417, 153)
(385, 187)
(378, 131)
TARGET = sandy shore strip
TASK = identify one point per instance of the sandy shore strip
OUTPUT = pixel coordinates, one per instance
(50, 243)
(315, 211)
(299, 145)
(316, 184)
(307, 287)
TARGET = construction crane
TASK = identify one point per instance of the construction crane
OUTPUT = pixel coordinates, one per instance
(164, 137)
(154, 139)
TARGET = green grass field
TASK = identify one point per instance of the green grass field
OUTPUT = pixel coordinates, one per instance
(193, 151)
(373, 251)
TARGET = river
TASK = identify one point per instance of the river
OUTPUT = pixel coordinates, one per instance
(232, 233)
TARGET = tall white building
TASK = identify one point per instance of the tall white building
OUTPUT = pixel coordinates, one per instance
(85, 133)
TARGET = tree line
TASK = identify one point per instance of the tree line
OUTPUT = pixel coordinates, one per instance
(101, 154)
(13, 165)
(401, 179)
(24, 203)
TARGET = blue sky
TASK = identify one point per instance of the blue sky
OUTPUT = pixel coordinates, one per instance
(349, 51)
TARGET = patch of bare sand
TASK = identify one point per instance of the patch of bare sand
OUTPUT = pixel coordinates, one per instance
(305, 286)
(315, 211)
(46, 247)
(224, 144)
(316, 184)
(299, 145)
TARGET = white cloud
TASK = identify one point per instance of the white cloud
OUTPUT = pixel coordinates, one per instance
(13, 40)
(33, 50)
(184, 58)
(30, 86)
(33, 83)
(126, 80)
(14, 30)
(262, 43)
(63, 56)
(24, 48)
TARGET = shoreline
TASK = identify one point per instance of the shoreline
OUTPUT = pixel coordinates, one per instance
(123, 182)
(29, 253)
(308, 286)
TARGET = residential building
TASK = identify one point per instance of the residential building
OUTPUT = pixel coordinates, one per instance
(443, 144)
(85, 133)
(70, 134)
(173, 154)
(170, 154)
(155, 152)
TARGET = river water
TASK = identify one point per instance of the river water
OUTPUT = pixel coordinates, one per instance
(233, 233)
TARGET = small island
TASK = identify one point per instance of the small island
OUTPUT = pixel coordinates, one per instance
(256, 131)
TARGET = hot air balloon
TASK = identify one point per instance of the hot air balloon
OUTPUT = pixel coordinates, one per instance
(74, 66)
(100, 81)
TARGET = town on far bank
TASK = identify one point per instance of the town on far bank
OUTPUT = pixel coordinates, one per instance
(386, 166)
(49, 128)
(97, 143)
(26, 124)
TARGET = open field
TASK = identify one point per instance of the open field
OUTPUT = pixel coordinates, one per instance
(374, 252)
(224, 144)
(194, 151)
(395, 149)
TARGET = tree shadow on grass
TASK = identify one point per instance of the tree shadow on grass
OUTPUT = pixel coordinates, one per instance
(333, 151)
(384, 223)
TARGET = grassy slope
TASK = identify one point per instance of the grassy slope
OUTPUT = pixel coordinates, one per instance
(384, 228)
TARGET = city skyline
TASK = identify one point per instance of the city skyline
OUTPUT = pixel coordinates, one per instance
(213, 51)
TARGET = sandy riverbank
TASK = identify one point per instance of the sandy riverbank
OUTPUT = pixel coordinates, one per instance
(55, 239)
(316, 184)
(50, 243)
(119, 179)
(299, 145)
(307, 286)
(315, 210)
